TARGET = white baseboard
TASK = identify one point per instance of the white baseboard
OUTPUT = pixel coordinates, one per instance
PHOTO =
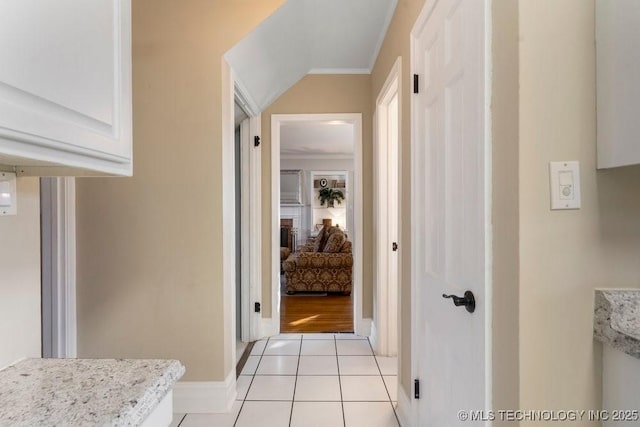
(363, 328)
(405, 409)
(268, 327)
(373, 338)
(205, 397)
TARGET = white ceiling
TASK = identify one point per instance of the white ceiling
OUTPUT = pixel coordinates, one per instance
(309, 36)
(316, 139)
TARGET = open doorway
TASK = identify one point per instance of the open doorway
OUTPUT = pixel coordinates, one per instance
(241, 128)
(384, 331)
(317, 198)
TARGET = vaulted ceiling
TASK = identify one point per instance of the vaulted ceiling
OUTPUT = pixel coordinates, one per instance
(309, 36)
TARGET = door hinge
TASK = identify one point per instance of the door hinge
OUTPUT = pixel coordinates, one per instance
(256, 141)
(394, 246)
(416, 388)
(415, 83)
(256, 307)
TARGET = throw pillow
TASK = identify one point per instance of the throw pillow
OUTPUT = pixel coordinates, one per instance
(334, 242)
(321, 239)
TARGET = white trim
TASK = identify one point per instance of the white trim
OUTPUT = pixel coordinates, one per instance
(268, 327)
(228, 238)
(340, 71)
(386, 223)
(414, 164)
(162, 414)
(244, 96)
(360, 324)
(316, 156)
(251, 213)
(69, 185)
(205, 397)
(488, 212)
(363, 327)
(374, 337)
(58, 209)
(255, 225)
(275, 225)
(406, 410)
(245, 232)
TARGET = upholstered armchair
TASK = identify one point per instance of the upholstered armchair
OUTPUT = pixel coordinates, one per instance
(327, 267)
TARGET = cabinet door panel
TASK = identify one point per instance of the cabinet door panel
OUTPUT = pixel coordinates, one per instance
(65, 81)
(618, 87)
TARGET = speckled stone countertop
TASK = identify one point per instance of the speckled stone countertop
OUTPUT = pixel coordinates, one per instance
(616, 319)
(84, 392)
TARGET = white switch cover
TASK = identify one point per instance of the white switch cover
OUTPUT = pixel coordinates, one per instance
(8, 205)
(565, 185)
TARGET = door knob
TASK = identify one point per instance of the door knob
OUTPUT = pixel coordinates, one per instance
(468, 301)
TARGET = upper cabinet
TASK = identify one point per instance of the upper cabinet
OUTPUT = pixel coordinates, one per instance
(65, 87)
(618, 82)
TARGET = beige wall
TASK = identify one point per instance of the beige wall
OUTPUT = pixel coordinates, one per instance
(150, 276)
(564, 255)
(396, 43)
(504, 116)
(20, 329)
(315, 94)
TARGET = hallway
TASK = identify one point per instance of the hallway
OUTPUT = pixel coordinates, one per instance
(307, 380)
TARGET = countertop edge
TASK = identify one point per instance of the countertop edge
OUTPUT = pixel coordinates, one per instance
(153, 396)
(83, 392)
(602, 329)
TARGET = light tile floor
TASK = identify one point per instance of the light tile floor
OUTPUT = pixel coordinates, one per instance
(310, 380)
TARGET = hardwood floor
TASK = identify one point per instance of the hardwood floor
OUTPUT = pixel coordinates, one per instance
(331, 313)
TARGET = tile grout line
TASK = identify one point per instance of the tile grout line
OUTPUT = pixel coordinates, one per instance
(295, 384)
(384, 383)
(182, 419)
(244, 399)
(318, 400)
(344, 418)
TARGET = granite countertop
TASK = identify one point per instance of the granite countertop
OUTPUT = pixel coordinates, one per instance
(617, 319)
(84, 392)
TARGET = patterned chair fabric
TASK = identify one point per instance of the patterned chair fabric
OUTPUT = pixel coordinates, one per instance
(322, 270)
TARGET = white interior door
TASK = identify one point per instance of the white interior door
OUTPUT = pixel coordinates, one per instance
(393, 130)
(387, 192)
(450, 212)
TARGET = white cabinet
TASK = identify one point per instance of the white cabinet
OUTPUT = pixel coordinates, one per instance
(618, 82)
(620, 386)
(65, 87)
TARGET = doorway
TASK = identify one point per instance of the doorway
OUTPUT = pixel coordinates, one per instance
(241, 122)
(303, 310)
(244, 155)
(384, 331)
(317, 308)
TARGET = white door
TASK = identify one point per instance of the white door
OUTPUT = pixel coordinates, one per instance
(449, 210)
(388, 136)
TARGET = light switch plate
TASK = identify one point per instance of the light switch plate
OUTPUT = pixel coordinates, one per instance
(564, 178)
(8, 202)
